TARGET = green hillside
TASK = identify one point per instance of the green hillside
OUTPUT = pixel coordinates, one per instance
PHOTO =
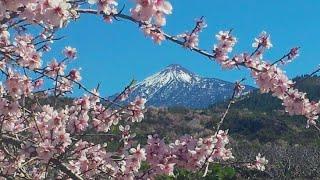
(256, 123)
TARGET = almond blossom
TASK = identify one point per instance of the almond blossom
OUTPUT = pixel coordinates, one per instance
(109, 7)
(75, 75)
(259, 164)
(53, 13)
(262, 41)
(54, 68)
(70, 52)
(154, 33)
(136, 109)
(225, 45)
(294, 52)
(191, 40)
(152, 11)
(186, 152)
(18, 85)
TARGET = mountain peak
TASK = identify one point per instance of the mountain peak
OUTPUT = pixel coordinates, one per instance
(177, 86)
(177, 67)
(176, 72)
(174, 66)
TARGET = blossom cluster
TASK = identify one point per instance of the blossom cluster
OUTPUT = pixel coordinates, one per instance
(152, 11)
(268, 77)
(50, 126)
(186, 152)
(27, 51)
(108, 7)
(259, 164)
(90, 159)
(225, 46)
(21, 46)
(154, 33)
(50, 137)
(18, 85)
(53, 13)
(191, 40)
(13, 114)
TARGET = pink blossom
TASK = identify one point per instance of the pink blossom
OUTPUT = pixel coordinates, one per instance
(61, 138)
(294, 52)
(125, 131)
(27, 51)
(136, 109)
(262, 41)
(154, 33)
(109, 7)
(18, 85)
(139, 153)
(259, 164)
(45, 150)
(54, 68)
(38, 83)
(64, 85)
(56, 12)
(152, 11)
(224, 46)
(75, 75)
(167, 169)
(70, 52)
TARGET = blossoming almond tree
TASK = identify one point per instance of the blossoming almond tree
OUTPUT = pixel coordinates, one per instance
(38, 140)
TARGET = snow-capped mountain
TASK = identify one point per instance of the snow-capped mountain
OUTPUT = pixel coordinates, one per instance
(177, 86)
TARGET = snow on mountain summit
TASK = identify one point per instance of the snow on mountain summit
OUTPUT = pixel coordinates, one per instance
(177, 86)
(171, 73)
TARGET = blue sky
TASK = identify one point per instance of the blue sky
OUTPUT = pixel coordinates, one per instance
(113, 54)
